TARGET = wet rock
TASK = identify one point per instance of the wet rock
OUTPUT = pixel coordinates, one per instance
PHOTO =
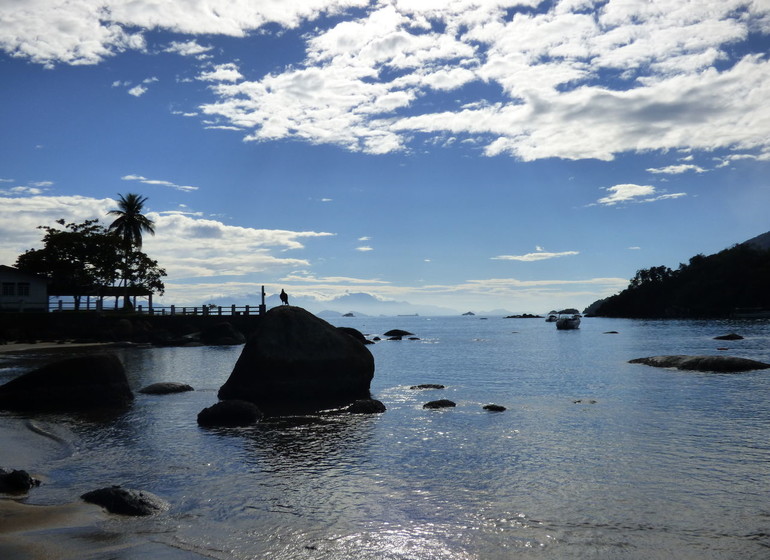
(230, 413)
(397, 332)
(16, 482)
(165, 388)
(366, 406)
(124, 501)
(428, 386)
(719, 364)
(731, 336)
(296, 360)
(441, 403)
(74, 384)
(494, 408)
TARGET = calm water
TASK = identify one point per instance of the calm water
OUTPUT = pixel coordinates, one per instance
(594, 457)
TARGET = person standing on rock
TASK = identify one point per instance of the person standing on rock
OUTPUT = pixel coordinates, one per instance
(284, 297)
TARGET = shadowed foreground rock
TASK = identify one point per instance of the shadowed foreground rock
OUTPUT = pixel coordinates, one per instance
(124, 501)
(76, 384)
(719, 364)
(16, 482)
(295, 361)
(366, 406)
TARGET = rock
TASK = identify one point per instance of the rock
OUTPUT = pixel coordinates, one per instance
(427, 386)
(731, 336)
(358, 335)
(366, 406)
(397, 332)
(74, 384)
(494, 408)
(296, 361)
(441, 403)
(221, 334)
(719, 364)
(230, 413)
(611, 332)
(124, 501)
(16, 482)
(165, 388)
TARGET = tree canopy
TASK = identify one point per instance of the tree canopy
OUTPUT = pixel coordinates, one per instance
(86, 259)
(707, 286)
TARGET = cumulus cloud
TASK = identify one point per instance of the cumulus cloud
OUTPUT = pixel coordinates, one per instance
(382, 77)
(620, 194)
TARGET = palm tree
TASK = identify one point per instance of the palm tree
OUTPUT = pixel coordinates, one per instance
(130, 225)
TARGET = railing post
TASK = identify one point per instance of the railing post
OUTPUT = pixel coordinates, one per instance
(61, 305)
(220, 309)
(173, 309)
(232, 309)
(246, 312)
(139, 309)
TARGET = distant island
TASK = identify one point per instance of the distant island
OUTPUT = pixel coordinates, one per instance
(523, 316)
(731, 283)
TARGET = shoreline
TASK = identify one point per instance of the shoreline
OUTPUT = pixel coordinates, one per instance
(22, 347)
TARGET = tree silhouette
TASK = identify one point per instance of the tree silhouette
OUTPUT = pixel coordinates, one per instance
(130, 225)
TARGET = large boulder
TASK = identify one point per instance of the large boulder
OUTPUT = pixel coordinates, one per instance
(81, 383)
(230, 413)
(222, 334)
(296, 361)
(719, 364)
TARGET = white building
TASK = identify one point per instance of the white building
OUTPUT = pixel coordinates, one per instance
(22, 291)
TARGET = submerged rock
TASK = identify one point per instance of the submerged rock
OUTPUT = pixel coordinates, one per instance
(124, 501)
(719, 364)
(297, 361)
(398, 332)
(165, 388)
(427, 386)
(74, 384)
(230, 413)
(441, 403)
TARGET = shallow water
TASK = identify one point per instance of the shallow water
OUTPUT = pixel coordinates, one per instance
(593, 458)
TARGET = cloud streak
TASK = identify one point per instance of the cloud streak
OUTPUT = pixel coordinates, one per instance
(627, 193)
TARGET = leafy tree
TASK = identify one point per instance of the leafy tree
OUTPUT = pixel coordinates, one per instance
(130, 225)
(85, 259)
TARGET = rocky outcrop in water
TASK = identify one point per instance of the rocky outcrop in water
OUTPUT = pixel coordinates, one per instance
(441, 403)
(296, 361)
(124, 501)
(366, 406)
(74, 384)
(719, 364)
(230, 413)
(222, 334)
(731, 336)
(165, 388)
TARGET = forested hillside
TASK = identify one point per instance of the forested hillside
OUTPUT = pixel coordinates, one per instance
(708, 286)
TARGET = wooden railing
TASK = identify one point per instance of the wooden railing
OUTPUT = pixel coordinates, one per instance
(204, 310)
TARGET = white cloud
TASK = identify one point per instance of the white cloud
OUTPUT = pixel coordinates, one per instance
(137, 91)
(364, 249)
(620, 194)
(681, 75)
(532, 257)
(676, 169)
(222, 73)
(158, 182)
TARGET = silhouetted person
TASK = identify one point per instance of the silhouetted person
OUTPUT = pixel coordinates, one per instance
(284, 298)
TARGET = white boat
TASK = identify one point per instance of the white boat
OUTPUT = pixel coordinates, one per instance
(552, 316)
(568, 319)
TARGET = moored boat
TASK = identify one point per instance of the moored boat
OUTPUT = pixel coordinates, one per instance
(568, 319)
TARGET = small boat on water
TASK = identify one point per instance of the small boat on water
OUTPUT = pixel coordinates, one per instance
(551, 317)
(568, 319)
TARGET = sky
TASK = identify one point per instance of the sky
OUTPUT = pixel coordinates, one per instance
(416, 156)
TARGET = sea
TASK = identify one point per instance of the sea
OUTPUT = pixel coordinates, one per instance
(592, 458)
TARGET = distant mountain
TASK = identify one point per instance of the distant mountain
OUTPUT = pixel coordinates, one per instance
(761, 242)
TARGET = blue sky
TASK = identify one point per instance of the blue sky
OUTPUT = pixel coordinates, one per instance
(461, 155)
